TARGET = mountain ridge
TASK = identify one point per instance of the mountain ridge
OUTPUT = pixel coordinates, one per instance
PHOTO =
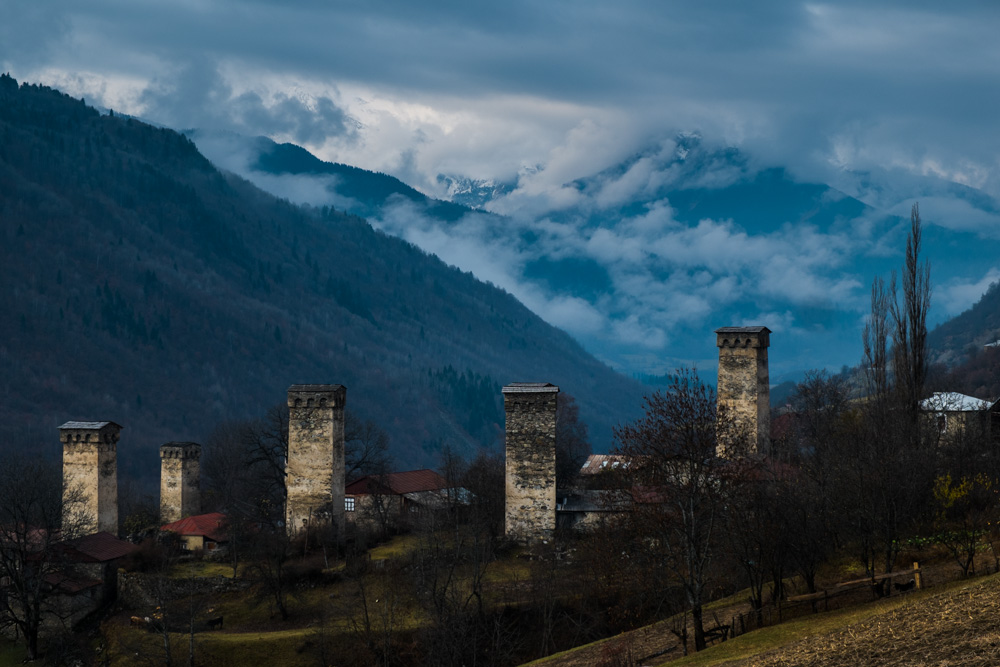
(147, 287)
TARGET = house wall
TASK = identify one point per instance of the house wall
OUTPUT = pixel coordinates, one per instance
(947, 428)
(368, 516)
(193, 542)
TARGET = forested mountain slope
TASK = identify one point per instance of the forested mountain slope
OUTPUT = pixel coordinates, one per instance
(141, 285)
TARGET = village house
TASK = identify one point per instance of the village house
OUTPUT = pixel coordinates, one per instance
(204, 532)
(398, 497)
(950, 416)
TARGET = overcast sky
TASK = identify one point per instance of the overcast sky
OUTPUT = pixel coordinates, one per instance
(488, 89)
(538, 93)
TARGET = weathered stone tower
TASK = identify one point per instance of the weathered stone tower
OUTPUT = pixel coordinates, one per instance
(531, 460)
(314, 472)
(180, 480)
(90, 475)
(744, 389)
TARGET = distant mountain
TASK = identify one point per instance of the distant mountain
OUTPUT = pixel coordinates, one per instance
(642, 260)
(142, 285)
(473, 193)
(353, 190)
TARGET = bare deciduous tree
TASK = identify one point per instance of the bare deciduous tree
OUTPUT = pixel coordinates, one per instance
(678, 483)
(32, 509)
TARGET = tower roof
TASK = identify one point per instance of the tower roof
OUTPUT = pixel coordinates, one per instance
(93, 426)
(316, 387)
(747, 330)
(529, 387)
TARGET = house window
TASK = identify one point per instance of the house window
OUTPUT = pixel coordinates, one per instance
(348, 504)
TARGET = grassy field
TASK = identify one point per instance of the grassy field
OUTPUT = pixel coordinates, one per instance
(11, 653)
(953, 624)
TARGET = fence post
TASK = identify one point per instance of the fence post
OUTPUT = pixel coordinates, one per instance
(916, 574)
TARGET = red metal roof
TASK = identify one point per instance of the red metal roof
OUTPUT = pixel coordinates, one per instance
(398, 483)
(211, 525)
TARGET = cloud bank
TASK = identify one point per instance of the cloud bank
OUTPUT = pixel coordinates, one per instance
(888, 101)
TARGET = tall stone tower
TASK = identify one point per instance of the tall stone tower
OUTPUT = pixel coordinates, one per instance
(744, 389)
(90, 475)
(180, 480)
(530, 409)
(314, 471)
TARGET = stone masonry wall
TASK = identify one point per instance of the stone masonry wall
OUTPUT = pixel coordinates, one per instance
(744, 385)
(90, 469)
(530, 460)
(315, 467)
(180, 484)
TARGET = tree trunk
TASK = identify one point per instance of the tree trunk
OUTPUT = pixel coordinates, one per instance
(32, 640)
(699, 628)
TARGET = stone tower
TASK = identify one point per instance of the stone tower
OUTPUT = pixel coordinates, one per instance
(314, 471)
(180, 480)
(744, 389)
(531, 460)
(90, 474)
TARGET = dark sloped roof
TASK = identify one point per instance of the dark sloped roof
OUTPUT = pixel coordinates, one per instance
(529, 388)
(398, 483)
(70, 584)
(89, 425)
(316, 387)
(725, 330)
(101, 547)
(211, 525)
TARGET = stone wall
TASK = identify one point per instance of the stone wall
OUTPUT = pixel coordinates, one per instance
(180, 483)
(744, 394)
(315, 466)
(138, 590)
(90, 472)
(530, 460)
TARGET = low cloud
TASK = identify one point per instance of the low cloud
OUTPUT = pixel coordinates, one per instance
(199, 96)
(957, 296)
(665, 278)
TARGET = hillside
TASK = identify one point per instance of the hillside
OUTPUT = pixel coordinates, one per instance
(968, 332)
(142, 285)
(368, 191)
(648, 255)
(958, 627)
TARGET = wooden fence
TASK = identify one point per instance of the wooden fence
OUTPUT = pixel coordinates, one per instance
(795, 605)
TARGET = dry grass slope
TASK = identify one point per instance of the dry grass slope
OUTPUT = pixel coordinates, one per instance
(958, 627)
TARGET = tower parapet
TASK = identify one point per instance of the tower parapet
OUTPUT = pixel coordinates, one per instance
(530, 409)
(314, 470)
(180, 483)
(90, 477)
(744, 393)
